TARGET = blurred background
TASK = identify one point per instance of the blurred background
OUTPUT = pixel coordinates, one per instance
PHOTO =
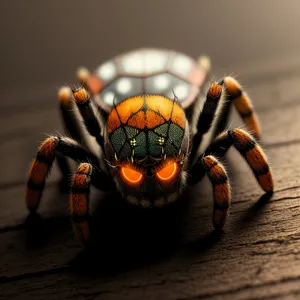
(43, 42)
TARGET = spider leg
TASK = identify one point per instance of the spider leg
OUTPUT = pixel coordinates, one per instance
(73, 127)
(216, 173)
(206, 116)
(71, 117)
(40, 168)
(83, 75)
(89, 114)
(79, 201)
(242, 103)
(251, 152)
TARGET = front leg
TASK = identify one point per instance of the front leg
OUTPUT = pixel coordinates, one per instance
(40, 168)
(79, 201)
(216, 173)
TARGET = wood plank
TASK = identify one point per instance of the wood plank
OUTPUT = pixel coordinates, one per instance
(258, 249)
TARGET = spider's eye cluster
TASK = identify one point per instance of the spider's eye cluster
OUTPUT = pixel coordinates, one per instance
(165, 174)
(131, 175)
(168, 172)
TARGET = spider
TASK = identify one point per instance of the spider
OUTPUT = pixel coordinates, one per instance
(145, 111)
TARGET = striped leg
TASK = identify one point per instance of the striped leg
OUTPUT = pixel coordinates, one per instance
(79, 201)
(73, 126)
(220, 183)
(89, 114)
(207, 115)
(244, 106)
(249, 149)
(72, 120)
(40, 168)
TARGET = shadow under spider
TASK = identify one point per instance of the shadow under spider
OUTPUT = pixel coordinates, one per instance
(255, 211)
(127, 237)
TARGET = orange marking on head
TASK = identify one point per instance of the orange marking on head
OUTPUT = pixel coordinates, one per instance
(48, 147)
(78, 204)
(123, 111)
(266, 182)
(160, 104)
(81, 95)
(178, 120)
(159, 110)
(129, 107)
(94, 83)
(138, 120)
(153, 119)
(165, 107)
(113, 121)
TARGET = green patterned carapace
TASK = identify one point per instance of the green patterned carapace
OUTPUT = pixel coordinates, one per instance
(146, 126)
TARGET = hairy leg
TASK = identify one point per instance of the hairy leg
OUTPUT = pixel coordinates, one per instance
(249, 149)
(236, 96)
(40, 168)
(216, 173)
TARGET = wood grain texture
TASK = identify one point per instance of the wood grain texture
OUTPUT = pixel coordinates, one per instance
(167, 254)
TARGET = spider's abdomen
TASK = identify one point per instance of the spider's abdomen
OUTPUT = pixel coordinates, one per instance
(146, 126)
(147, 71)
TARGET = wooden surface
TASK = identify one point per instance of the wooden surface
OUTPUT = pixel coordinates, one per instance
(168, 254)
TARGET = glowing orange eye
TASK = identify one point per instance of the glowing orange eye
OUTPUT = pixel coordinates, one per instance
(131, 175)
(167, 172)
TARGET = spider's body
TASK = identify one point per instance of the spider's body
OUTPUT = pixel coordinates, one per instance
(148, 141)
(146, 134)
(147, 72)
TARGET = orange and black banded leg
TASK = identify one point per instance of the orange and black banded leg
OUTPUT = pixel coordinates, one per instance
(89, 114)
(243, 104)
(73, 127)
(249, 149)
(71, 117)
(206, 116)
(79, 202)
(216, 173)
(40, 168)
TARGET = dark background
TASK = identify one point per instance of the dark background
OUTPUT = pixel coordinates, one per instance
(43, 42)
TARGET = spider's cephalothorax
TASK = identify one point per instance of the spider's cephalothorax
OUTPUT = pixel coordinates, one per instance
(147, 145)
(135, 139)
